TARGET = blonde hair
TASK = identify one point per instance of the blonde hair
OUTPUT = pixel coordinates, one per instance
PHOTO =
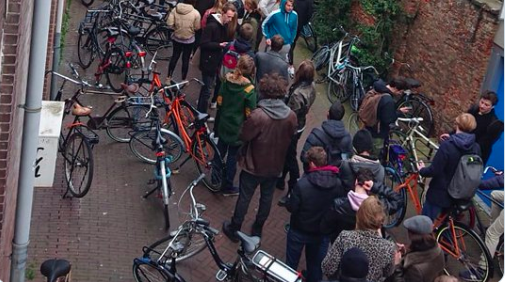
(466, 122)
(245, 67)
(370, 215)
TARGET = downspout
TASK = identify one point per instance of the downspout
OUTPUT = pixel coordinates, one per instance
(56, 48)
(32, 107)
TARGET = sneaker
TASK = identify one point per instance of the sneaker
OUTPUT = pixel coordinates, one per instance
(213, 105)
(230, 191)
(211, 119)
(230, 232)
(282, 201)
(291, 72)
(473, 274)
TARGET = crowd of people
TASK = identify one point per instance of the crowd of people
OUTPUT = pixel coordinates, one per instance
(339, 203)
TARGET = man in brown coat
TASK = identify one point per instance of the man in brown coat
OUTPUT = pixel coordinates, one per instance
(266, 134)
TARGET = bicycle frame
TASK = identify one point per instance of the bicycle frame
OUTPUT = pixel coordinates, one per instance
(412, 190)
(413, 136)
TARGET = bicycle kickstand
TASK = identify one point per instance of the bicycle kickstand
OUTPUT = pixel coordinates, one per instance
(158, 185)
(176, 170)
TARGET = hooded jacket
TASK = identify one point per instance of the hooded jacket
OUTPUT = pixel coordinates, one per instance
(282, 23)
(300, 99)
(270, 62)
(266, 134)
(485, 136)
(421, 266)
(235, 101)
(211, 53)
(336, 131)
(444, 166)
(243, 46)
(311, 198)
(349, 169)
(185, 20)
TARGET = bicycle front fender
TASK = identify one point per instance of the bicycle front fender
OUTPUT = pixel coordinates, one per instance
(175, 136)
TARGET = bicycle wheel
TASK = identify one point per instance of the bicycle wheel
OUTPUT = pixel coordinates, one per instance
(146, 270)
(158, 37)
(310, 37)
(357, 95)
(419, 109)
(193, 243)
(125, 119)
(85, 48)
(353, 123)
(116, 70)
(78, 163)
(142, 145)
(336, 92)
(208, 160)
(320, 58)
(392, 179)
(463, 250)
(398, 138)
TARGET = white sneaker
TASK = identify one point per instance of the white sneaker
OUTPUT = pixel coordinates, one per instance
(291, 71)
(213, 105)
(211, 119)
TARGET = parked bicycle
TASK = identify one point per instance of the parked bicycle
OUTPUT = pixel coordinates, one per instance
(159, 261)
(309, 35)
(56, 270)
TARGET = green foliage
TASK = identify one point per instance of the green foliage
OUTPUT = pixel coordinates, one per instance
(30, 272)
(65, 21)
(375, 40)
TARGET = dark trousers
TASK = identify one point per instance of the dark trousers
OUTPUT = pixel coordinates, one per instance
(203, 100)
(216, 89)
(248, 184)
(431, 210)
(185, 50)
(292, 49)
(315, 251)
(231, 161)
(198, 37)
(291, 165)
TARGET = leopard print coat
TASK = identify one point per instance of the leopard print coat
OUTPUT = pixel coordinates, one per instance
(379, 251)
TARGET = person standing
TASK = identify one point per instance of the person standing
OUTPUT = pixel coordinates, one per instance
(214, 39)
(271, 61)
(311, 197)
(304, 9)
(253, 17)
(201, 6)
(285, 23)
(235, 101)
(266, 134)
(185, 20)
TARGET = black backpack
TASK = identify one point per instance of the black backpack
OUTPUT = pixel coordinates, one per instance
(331, 146)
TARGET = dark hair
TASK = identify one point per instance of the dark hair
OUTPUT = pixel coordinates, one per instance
(491, 96)
(273, 86)
(252, 4)
(364, 174)
(231, 25)
(317, 155)
(190, 2)
(421, 242)
(246, 31)
(305, 72)
(277, 43)
(398, 83)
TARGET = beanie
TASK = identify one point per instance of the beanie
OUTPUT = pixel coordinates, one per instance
(362, 141)
(337, 111)
(354, 264)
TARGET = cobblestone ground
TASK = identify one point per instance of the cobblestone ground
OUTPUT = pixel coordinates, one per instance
(103, 232)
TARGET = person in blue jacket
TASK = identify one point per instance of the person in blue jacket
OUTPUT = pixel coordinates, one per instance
(283, 22)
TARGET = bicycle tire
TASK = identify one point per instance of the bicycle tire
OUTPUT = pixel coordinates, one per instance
(419, 109)
(452, 264)
(145, 270)
(78, 155)
(335, 92)
(116, 71)
(393, 220)
(357, 95)
(321, 57)
(191, 245)
(125, 119)
(157, 37)
(209, 163)
(141, 145)
(310, 38)
(85, 48)
(399, 138)
(87, 3)
(353, 123)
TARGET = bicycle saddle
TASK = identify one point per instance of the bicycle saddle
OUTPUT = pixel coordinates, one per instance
(54, 268)
(249, 243)
(462, 206)
(130, 89)
(79, 110)
(134, 31)
(112, 31)
(202, 117)
(412, 83)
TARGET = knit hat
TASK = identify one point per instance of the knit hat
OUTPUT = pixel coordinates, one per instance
(354, 264)
(337, 111)
(419, 224)
(362, 141)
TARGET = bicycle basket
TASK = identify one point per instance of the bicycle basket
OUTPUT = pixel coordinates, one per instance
(275, 268)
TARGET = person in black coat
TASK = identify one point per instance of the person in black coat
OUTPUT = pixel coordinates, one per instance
(310, 199)
(201, 6)
(445, 163)
(214, 39)
(304, 9)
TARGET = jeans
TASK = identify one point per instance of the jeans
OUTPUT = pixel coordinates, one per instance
(248, 184)
(203, 100)
(231, 161)
(315, 251)
(291, 165)
(185, 50)
(431, 210)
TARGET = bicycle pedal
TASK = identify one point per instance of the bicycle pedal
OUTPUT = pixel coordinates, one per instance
(175, 171)
(221, 275)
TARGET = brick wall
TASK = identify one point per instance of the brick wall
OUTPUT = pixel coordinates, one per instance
(15, 27)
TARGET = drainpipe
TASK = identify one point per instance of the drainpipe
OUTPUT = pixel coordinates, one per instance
(56, 48)
(32, 107)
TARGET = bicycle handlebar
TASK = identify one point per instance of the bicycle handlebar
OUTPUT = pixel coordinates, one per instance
(74, 73)
(414, 119)
(493, 170)
(362, 68)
